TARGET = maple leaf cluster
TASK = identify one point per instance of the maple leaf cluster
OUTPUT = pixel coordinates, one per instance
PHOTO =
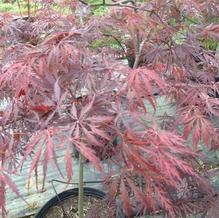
(59, 92)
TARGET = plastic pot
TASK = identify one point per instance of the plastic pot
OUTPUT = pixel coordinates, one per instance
(74, 193)
(67, 194)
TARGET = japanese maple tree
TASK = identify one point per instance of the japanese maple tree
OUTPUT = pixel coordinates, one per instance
(61, 92)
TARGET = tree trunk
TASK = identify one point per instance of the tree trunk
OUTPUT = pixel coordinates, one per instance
(81, 187)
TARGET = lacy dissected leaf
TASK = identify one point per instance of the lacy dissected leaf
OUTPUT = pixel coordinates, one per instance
(89, 154)
(42, 148)
(141, 84)
(61, 53)
(212, 105)
(211, 30)
(197, 124)
(68, 87)
(158, 161)
(2, 199)
(13, 77)
(5, 181)
(92, 126)
(125, 198)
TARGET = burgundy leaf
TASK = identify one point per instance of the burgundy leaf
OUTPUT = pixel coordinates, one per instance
(125, 199)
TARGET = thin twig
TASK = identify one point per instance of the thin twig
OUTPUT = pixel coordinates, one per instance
(137, 50)
(117, 40)
(19, 6)
(123, 3)
(75, 183)
(63, 210)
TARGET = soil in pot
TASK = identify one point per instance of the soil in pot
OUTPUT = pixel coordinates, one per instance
(93, 208)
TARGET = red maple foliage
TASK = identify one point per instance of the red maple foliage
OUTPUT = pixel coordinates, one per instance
(60, 92)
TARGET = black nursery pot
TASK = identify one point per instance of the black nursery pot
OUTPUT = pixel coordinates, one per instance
(91, 192)
(67, 194)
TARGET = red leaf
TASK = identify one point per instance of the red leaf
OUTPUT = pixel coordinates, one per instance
(5, 180)
(41, 108)
(125, 199)
(87, 108)
(187, 131)
(49, 155)
(74, 111)
(22, 92)
(142, 82)
(100, 119)
(89, 154)
(34, 164)
(212, 30)
(44, 141)
(164, 199)
(99, 132)
(2, 199)
(90, 137)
